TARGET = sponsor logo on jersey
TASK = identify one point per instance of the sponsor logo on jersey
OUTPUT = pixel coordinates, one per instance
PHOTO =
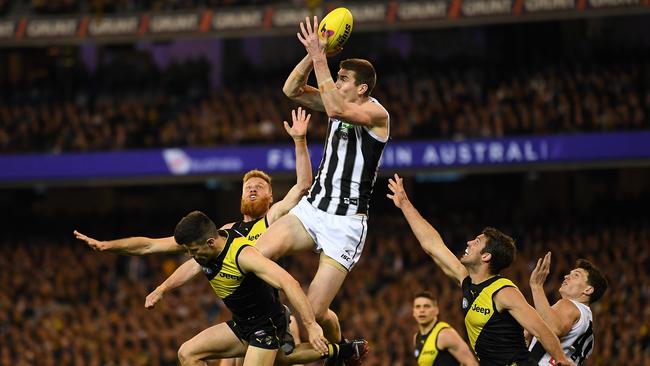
(482, 310)
(343, 130)
(229, 276)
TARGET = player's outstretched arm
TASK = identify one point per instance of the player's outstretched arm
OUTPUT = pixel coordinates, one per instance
(181, 276)
(137, 245)
(511, 299)
(429, 238)
(251, 260)
(304, 175)
(559, 317)
(296, 88)
(449, 340)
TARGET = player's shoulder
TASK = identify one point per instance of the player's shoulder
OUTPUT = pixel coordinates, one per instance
(376, 108)
(508, 297)
(447, 336)
(568, 307)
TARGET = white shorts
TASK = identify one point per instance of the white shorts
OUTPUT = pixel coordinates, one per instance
(339, 237)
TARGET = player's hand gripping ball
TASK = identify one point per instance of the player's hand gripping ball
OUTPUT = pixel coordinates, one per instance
(337, 25)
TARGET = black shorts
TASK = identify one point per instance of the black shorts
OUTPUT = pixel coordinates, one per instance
(267, 333)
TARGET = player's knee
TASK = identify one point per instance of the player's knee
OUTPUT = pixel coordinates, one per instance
(185, 354)
(325, 315)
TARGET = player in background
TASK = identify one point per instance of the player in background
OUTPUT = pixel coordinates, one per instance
(436, 342)
(570, 318)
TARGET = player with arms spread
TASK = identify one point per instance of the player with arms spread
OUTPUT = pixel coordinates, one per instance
(256, 204)
(256, 207)
(246, 282)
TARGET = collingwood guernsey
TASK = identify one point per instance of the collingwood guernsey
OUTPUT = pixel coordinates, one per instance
(348, 169)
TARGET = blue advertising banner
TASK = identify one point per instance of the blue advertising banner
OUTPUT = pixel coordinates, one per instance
(583, 148)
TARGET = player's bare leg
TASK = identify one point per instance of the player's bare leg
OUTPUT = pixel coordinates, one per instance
(322, 290)
(256, 356)
(286, 236)
(218, 341)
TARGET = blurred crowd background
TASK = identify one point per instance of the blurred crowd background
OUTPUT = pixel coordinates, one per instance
(176, 107)
(50, 7)
(447, 84)
(63, 304)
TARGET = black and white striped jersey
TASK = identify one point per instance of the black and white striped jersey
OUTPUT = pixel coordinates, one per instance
(577, 345)
(348, 169)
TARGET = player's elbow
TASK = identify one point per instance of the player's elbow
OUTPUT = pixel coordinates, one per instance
(302, 191)
(428, 249)
(290, 91)
(303, 186)
(287, 91)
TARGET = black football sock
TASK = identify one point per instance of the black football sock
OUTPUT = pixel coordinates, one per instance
(345, 349)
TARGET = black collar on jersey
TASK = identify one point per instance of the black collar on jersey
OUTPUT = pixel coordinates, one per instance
(478, 287)
(430, 330)
(244, 227)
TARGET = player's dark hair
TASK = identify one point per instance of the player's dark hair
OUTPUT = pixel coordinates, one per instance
(193, 228)
(426, 295)
(501, 246)
(595, 279)
(364, 72)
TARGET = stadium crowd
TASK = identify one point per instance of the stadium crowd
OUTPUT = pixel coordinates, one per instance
(63, 304)
(132, 104)
(126, 6)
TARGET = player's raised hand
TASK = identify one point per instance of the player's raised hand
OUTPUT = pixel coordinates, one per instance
(93, 243)
(396, 186)
(316, 338)
(153, 298)
(541, 271)
(309, 38)
(300, 121)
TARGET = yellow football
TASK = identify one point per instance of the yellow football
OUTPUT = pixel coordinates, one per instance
(338, 26)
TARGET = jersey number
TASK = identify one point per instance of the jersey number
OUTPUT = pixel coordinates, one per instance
(581, 348)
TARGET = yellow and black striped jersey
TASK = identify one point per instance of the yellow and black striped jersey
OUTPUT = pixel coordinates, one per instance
(426, 349)
(246, 295)
(496, 337)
